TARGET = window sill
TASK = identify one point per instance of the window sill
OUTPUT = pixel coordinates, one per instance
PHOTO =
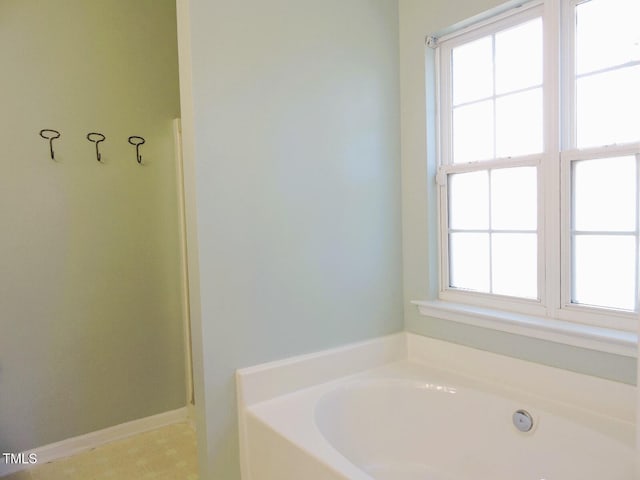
(559, 331)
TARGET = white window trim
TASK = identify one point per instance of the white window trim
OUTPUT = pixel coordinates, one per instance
(559, 331)
(553, 318)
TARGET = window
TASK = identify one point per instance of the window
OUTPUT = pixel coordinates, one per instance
(539, 162)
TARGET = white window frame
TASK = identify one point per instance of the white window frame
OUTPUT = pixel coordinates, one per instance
(553, 310)
(597, 316)
(530, 306)
(605, 317)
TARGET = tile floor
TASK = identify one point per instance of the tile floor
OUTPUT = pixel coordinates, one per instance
(168, 453)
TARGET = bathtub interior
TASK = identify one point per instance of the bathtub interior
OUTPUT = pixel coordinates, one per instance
(435, 429)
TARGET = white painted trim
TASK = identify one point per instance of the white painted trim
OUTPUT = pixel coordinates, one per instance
(549, 214)
(568, 333)
(187, 115)
(89, 441)
(184, 265)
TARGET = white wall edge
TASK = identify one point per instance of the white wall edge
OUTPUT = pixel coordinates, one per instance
(187, 118)
(184, 268)
(558, 331)
(89, 441)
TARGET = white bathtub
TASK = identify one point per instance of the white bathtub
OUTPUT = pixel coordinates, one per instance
(406, 420)
(396, 429)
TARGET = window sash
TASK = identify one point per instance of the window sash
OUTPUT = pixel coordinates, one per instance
(446, 292)
(588, 314)
(569, 124)
(445, 90)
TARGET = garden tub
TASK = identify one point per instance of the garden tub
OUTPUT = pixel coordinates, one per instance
(406, 420)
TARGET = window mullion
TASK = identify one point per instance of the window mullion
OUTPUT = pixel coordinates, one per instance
(495, 133)
(490, 233)
(445, 148)
(493, 69)
(567, 77)
(550, 216)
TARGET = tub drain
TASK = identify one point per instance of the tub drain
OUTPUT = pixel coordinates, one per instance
(522, 420)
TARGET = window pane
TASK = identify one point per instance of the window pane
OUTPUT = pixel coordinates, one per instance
(519, 57)
(514, 198)
(473, 132)
(469, 261)
(609, 107)
(604, 271)
(605, 194)
(519, 124)
(472, 71)
(469, 200)
(607, 34)
(515, 264)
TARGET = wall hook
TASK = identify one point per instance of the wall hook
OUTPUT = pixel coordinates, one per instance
(137, 141)
(51, 135)
(96, 138)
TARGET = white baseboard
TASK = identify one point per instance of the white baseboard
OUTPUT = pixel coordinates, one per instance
(83, 443)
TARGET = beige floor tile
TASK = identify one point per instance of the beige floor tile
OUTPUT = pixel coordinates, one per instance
(22, 475)
(168, 453)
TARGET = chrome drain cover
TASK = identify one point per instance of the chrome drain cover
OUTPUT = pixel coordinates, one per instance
(522, 420)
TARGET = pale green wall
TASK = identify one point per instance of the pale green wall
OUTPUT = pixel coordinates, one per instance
(90, 319)
(419, 18)
(296, 129)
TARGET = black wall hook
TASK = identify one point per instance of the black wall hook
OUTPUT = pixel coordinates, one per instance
(96, 138)
(51, 135)
(137, 141)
